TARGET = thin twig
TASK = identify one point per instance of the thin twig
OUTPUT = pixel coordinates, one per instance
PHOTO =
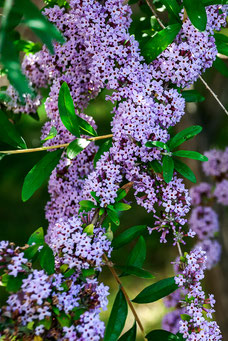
(124, 292)
(40, 149)
(155, 14)
(179, 249)
(213, 94)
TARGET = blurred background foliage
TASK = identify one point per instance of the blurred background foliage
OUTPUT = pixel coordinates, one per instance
(18, 219)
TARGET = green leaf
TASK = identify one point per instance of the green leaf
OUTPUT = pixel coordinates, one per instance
(89, 229)
(159, 144)
(88, 272)
(31, 251)
(113, 216)
(39, 173)
(85, 127)
(190, 155)
(137, 255)
(184, 170)
(221, 66)
(133, 270)
(76, 146)
(67, 111)
(156, 166)
(192, 96)
(215, 2)
(4, 97)
(156, 291)
(127, 236)
(161, 335)
(130, 335)
(52, 133)
(47, 322)
(9, 134)
(183, 136)
(39, 24)
(121, 193)
(172, 7)
(86, 205)
(168, 168)
(159, 42)
(64, 319)
(47, 259)
(103, 148)
(120, 206)
(117, 318)
(14, 283)
(197, 13)
(27, 46)
(222, 47)
(37, 237)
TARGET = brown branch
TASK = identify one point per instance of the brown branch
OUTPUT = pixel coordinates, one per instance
(155, 14)
(124, 292)
(40, 149)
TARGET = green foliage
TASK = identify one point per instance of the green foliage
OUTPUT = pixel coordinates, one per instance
(192, 96)
(215, 2)
(184, 170)
(221, 42)
(39, 173)
(159, 144)
(9, 134)
(27, 46)
(47, 259)
(221, 66)
(117, 318)
(133, 270)
(67, 111)
(168, 168)
(190, 155)
(64, 319)
(130, 335)
(37, 237)
(12, 284)
(172, 7)
(197, 13)
(128, 235)
(52, 133)
(86, 205)
(183, 136)
(85, 127)
(76, 146)
(161, 335)
(103, 148)
(156, 291)
(159, 42)
(137, 255)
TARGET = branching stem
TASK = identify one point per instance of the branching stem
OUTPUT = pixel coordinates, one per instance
(40, 149)
(155, 14)
(124, 292)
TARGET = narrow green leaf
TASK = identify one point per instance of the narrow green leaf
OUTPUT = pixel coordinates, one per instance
(117, 318)
(9, 134)
(88, 272)
(197, 13)
(156, 291)
(120, 206)
(190, 155)
(156, 166)
(121, 193)
(161, 335)
(183, 136)
(67, 111)
(39, 24)
(222, 47)
(85, 127)
(172, 7)
(162, 145)
(184, 170)
(113, 216)
(86, 205)
(137, 255)
(47, 259)
(130, 335)
(39, 173)
(64, 319)
(221, 66)
(75, 147)
(52, 133)
(14, 283)
(192, 96)
(37, 237)
(27, 46)
(31, 251)
(159, 42)
(127, 236)
(103, 148)
(215, 2)
(133, 270)
(168, 168)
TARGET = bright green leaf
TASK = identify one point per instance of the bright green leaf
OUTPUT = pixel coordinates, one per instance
(184, 170)
(161, 335)
(39, 173)
(76, 146)
(162, 145)
(89, 229)
(190, 155)
(52, 133)
(120, 206)
(121, 193)
(9, 134)
(64, 319)
(127, 236)
(133, 270)
(159, 42)
(168, 168)
(156, 166)
(130, 335)
(183, 136)
(117, 318)
(37, 237)
(47, 259)
(192, 96)
(137, 255)
(86, 205)
(172, 7)
(27, 46)
(67, 111)
(14, 283)
(221, 66)
(197, 13)
(85, 127)
(103, 148)
(113, 216)
(156, 291)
